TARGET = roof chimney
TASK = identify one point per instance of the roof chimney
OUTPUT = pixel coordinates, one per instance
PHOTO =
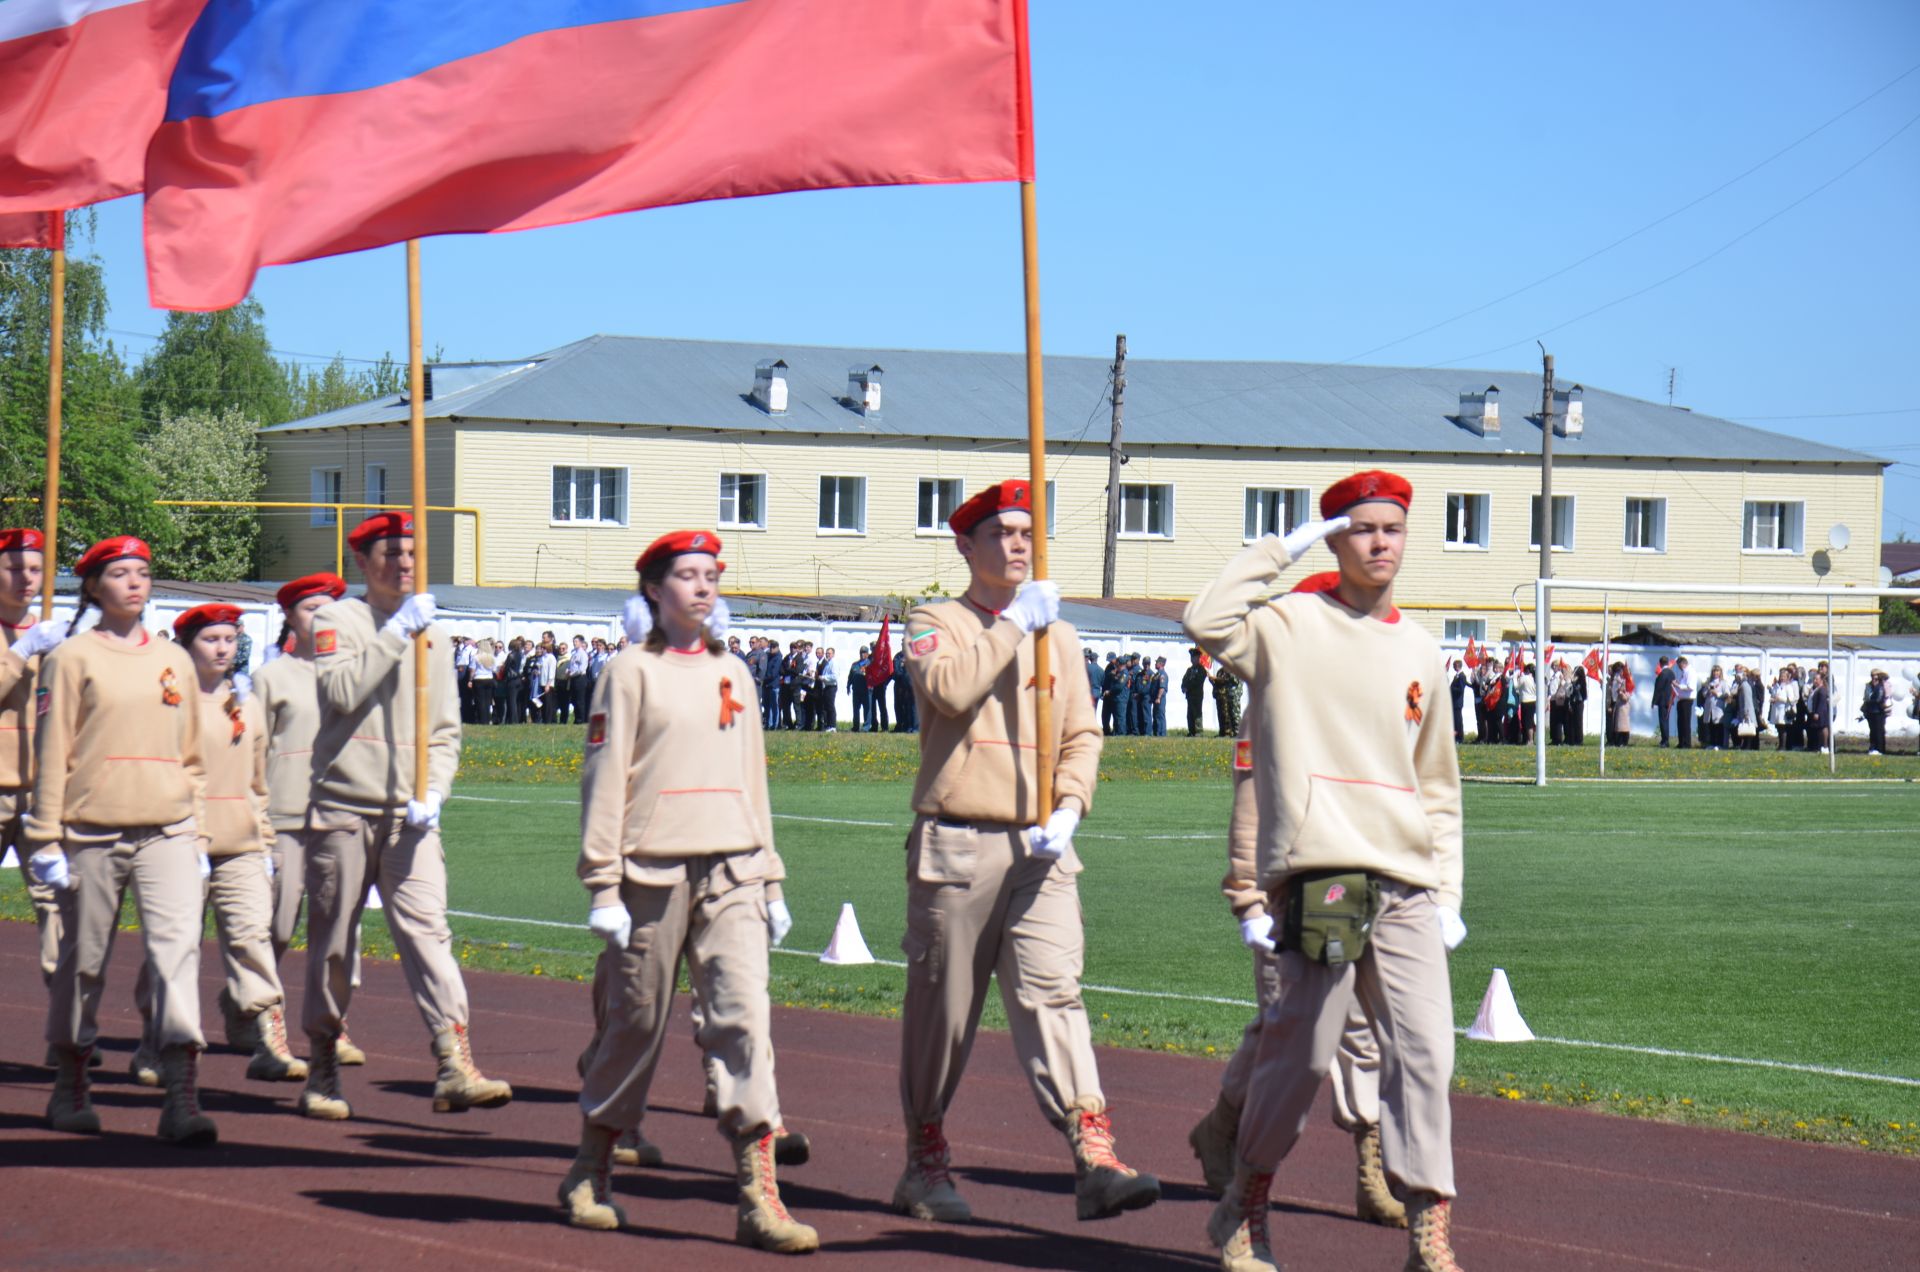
(1480, 412)
(1569, 417)
(863, 388)
(770, 385)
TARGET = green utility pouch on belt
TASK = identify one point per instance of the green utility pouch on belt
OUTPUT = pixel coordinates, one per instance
(1329, 915)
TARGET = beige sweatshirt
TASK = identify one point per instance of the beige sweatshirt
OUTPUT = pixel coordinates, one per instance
(117, 740)
(1354, 761)
(972, 674)
(16, 711)
(665, 779)
(1241, 885)
(288, 691)
(365, 743)
(236, 775)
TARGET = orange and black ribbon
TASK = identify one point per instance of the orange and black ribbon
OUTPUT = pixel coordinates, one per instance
(169, 689)
(1413, 703)
(729, 707)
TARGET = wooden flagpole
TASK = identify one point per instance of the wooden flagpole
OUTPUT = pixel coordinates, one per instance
(417, 431)
(56, 393)
(1036, 411)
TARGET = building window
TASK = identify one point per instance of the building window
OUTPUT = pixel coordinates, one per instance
(590, 496)
(1146, 512)
(1772, 526)
(1474, 629)
(376, 487)
(326, 488)
(1274, 511)
(1562, 523)
(1646, 525)
(939, 496)
(1467, 521)
(843, 505)
(743, 501)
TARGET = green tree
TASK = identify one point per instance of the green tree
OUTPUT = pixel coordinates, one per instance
(208, 455)
(335, 385)
(215, 362)
(1897, 615)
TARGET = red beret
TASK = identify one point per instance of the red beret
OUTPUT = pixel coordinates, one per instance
(991, 502)
(209, 615)
(299, 590)
(679, 543)
(1325, 581)
(1368, 487)
(22, 540)
(381, 525)
(107, 551)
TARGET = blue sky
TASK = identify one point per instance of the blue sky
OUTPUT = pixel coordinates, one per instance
(1317, 183)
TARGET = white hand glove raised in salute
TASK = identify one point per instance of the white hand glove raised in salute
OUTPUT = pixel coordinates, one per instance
(1452, 929)
(41, 638)
(414, 616)
(1306, 535)
(779, 921)
(1054, 838)
(1036, 604)
(613, 923)
(637, 619)
(1257, 933)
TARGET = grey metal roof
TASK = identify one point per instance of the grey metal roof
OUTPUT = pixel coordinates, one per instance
(700, 384)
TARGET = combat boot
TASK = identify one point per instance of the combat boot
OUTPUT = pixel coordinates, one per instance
(71, 1108)
(926, 1189)
(585, 1194)
(632, 1149)
(1429, 1236)
(345, 1052)
(1238, 1224)
(53, 1058)
(243, 1033)
(273, 1060)
(144, 1068)
(461, 1085)
(1212, 1139)
(181, 1121)
(322, 1098)
(1103, 1185)
(1373, 1201)
(764, 1223)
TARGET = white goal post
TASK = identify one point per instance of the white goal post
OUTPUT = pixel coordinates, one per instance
(1544, 588)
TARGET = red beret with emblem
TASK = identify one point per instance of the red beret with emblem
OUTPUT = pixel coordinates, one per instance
(1325, 581)
(293, 593)
(679, 543)
(210, 615)
(991, 502)
(22, 540)
(381, 525)
(1373, 486)
(104, 553)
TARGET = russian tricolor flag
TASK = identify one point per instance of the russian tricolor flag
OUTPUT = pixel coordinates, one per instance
(304, 128)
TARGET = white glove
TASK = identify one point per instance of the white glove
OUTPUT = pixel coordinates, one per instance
(49, 869)
(1257, 934)
(41, 638)
(637, 619)
(719, 619)
(242, 687)
(1309, 533)
(273, 652)
(1036, 604)
(206, 868)
(425, 813)
(613, 923)
(267, 858)
(1452, 930)
(779, 921)
(415, 615)
(1054, 838)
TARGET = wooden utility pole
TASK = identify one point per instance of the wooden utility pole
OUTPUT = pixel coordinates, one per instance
(1110, 556)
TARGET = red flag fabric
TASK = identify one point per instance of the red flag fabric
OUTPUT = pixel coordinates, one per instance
(83, 85)
(304, 128)
(1627, 672)
(880, 662)
(1472, 658)
(1550, 649)
(1595, 666)
(28, 229)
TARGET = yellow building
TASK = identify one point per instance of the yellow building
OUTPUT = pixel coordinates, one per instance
(830, 471)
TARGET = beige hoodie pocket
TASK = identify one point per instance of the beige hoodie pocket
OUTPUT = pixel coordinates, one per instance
(698, 821)
(1348, 814)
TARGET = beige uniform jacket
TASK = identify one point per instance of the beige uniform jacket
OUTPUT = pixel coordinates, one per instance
(236, 762)
(1241, 885)
(288, 691)
(365, 743)
(16, 711)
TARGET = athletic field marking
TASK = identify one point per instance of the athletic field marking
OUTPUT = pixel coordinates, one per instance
(1706, 1056)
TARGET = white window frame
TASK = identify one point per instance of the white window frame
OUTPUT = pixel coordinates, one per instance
(1659, 546)
(317, 485)
(1533, 522)
(835, 531)
(1296, 507)
(1793, 527)
(720, 514)
(1485, 541)
(573, 496)
(1053, 508)
(1474, 629)
(367, 484)
(956, 487)
(1146, 505)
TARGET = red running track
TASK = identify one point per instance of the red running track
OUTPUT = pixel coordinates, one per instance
(398, 1186)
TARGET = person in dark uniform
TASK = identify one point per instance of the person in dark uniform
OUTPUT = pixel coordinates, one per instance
(1159, 697)
(1094, 679)
(905, 715)
(1194, 686)
(1226, 702)
(1458, 687)
(1123, 695)
(1577, 707)
(1142, 696)
(1110, 696)
(1663, 698)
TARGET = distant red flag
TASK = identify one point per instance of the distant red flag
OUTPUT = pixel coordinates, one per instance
(1593, 663)
(1550, 650)
(1473, 656)
(27, 229)
(880, 663)
(1628, 673)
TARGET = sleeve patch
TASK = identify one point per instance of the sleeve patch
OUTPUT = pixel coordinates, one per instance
(42, 700)
(325, 642)
(1243, 755)
(597, 728)
(921, 644)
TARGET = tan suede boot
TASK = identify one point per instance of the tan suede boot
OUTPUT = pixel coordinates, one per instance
(322, 1098)
(1238, 1224)
(1429, 1235)
(461, 1085)
(345, 1052)
(632, 1149)
(181, 1121)
(1103, 1185)
(926, 1189)
(242, 1032)
(273, 1060)
(1212, 1139)
(71, 1107)
(1373, 1201)
(764, 1222)
(586, 1192)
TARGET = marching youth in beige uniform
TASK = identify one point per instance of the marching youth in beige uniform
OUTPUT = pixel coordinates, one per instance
(677, 852)
(368, 827)
(117, 801)
(1355, 772)
(23, 643)
(991, 874)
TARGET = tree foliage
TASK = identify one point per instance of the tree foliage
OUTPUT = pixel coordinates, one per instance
(1898, 616)
(209, 455)
(216, 362)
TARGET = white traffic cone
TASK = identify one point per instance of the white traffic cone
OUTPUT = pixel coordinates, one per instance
(373, 899)
(11, 860)
(1499, 1019)
(847, 947)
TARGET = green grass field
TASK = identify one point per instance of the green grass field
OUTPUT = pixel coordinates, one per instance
(1768, 921)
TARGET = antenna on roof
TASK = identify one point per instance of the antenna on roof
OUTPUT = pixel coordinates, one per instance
(1673, 375)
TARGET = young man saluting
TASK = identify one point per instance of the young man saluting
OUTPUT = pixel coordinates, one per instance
(991, 873)
(1359, 848)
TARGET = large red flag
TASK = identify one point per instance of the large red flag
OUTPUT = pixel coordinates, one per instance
(27, 229)
(83, 84)
(304, 128)
(880, 662)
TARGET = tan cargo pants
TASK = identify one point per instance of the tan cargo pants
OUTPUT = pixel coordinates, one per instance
(241, 899)
(1356, 1062)
(979, 904)
(716, 916)
(290, 892)
(46, 903)
(1402, 984)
